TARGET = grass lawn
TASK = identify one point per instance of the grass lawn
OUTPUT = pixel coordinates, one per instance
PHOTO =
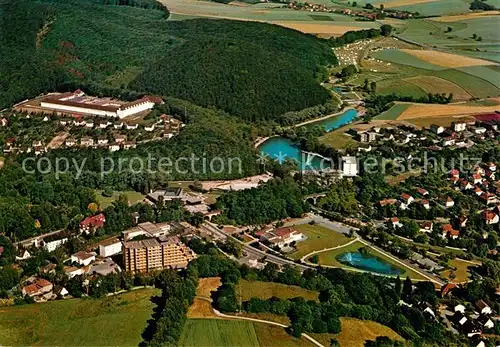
(338, 140)
(461, 274)
(329, 258)
(105, 201)
(225, 332)
(318, 238)
(355, 332)
(393, 113)
(116, 320)
(266, 290)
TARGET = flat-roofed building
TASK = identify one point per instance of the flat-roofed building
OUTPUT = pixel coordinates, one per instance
(155, 254)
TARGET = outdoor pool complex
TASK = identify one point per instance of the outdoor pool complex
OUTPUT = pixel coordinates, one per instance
(279, 148)
(368, 262)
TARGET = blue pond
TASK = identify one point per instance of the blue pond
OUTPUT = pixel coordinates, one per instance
(336, 121)
(278, 148)
(368, 262)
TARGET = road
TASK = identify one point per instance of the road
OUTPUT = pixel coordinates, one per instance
(253, 251)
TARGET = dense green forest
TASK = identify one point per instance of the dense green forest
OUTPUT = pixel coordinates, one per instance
(252, 70)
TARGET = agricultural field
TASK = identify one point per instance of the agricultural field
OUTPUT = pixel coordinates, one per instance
(462, 272)
(435, 110)
(104, 201)
(436, 85)
(112, 321)
(318, 237)
(223, 332)
(402, 87)
(323, 24)
(356, 332)
(393, 113)
(266, 290)
(424, 7)
(218, 332)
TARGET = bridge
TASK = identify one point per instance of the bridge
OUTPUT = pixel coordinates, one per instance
(313, 198)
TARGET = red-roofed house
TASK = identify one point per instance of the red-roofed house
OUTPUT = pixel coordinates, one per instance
(425, 204)
(387, 202)
(422, 191)
(492, 166)
(454, 173)
(477, 178)
(488, 198)
(93, 223)
(449, 202)
(408, 199)
(39, 287)
(490, 217)
(396, 223)
(445, 290)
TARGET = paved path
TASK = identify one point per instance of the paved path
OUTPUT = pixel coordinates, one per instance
(326, 250)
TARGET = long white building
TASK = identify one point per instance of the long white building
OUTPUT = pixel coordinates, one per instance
(80, 104)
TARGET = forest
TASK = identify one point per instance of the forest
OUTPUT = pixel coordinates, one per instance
(255, 71)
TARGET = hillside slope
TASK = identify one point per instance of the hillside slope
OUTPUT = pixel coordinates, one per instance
(252, 70)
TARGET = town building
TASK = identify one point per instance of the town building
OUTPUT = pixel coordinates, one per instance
(110, 247)
(104, 267)
(155, 254)
(83, 258)
(77, 103)
(147, 229)
(167, 194)
(282, 236)
(349, 166)
(39, 287)
(91, 224)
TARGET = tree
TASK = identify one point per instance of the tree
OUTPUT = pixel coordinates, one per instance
(373, 86)
(474, 36)
(315, 259)
(348, 71)
(397, 286)
(354, 4)
(369, 7)
(407, 289)
(386, 30)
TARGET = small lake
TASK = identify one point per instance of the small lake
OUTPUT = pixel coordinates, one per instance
(279, 148)
(368, 262)
(335, 122)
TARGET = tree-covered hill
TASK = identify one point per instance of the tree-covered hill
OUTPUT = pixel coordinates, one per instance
(252, 70)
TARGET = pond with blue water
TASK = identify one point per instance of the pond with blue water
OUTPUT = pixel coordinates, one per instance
(280, 149)
(368, 262)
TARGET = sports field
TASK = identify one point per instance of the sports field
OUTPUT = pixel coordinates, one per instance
(104, 201)
(318, 238)
(266, 290)
(112, 321)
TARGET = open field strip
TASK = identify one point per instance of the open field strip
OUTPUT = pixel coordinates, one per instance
(112, 321)
(434, 110)
(460, 17)
(446, 59)
(432, 84)
(393, 113)
(266, 290)
(400, 3)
